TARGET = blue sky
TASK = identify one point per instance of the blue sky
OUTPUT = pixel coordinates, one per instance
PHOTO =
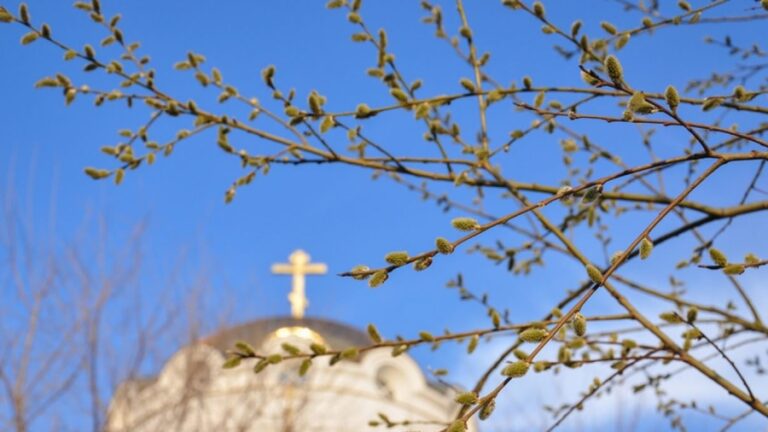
(338, 214)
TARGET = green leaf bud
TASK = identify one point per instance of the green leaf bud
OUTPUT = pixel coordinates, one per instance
(260, 366)
(426, 336)
(457, 426)
(466, 398)
(422, 263)
(520, 354)
(711, 103)
(96, 173)
(375, 72)
(350, 353)
(671, 317)
(467, 84)
(89, 52)
(622, 41)
(614, 69)
(608, 27)
(268, 74)
(516, 369)
(327, 123)
(422, 110)
(224, 144)
(693, 333)
(24, 13)
(734, 269)
(494, 96)
(315, 103)
(399, 349)
(305, 365)
(638, 104)
(229, 195)
(216, 75)
(291, 349)
(465, 32)
(465, 224)
(692, 314)
(533, 335)
(182, 65)
(334, 359)
(592, 194)
(594, 274)
(487, 410)
(232, 362)
(378, 278)
(495, 318)
(576, 343)
(292, 111)
(245, 348)
(575, 27)
(569, 145)
(119, 175)
(619, 365)
(29, 38)
(5, 16)
(718, 257)
(202, 78)
(672, 97)
(589, 79)
(274, 358)
(444, 246)
(538, 9)
(397, 258)
(629, 344)
(646, 247)
(695, 18)
(579, 324)
(363, 111)
(354, 18)
(374, 334)
(472, 345)
(318, 349)
(400, 95)
(739, 92)
(361, 269)
(751, 259)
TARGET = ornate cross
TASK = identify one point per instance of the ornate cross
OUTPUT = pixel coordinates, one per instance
(299, 266)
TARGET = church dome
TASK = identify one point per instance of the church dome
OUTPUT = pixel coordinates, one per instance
(193, 393)
(336, 335)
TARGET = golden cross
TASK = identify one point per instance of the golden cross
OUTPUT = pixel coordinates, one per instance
(298, 267)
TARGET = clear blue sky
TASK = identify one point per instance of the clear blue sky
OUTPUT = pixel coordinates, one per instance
(338, 214)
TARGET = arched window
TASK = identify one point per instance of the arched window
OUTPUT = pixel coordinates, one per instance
(391, 381)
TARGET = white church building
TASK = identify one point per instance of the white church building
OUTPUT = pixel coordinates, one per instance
(193, 393)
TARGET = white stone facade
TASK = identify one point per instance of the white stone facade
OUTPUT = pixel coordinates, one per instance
(193, 393)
